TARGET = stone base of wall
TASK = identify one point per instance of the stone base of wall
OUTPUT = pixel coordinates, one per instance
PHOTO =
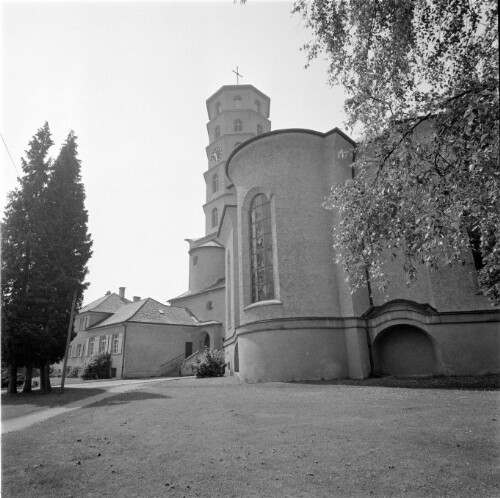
(401, 338)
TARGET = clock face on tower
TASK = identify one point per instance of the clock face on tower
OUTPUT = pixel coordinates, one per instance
(216, 155)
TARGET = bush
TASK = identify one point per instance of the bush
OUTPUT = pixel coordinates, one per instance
(211, 364)
(72, 372)
(99, 367)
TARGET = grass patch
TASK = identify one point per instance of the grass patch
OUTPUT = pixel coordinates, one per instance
(467, 383)
(221, 438)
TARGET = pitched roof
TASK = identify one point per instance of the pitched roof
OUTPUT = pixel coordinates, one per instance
(106, 304)
(150, 311)
(219, 284)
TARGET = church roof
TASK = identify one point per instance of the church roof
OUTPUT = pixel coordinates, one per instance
(220, 284)
(236, 87)
(106, 304)
(211, 243)
(282, 132)
(150, 311)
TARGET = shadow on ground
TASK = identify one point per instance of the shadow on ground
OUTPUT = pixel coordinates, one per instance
(50, 399)
(17, 405)
(125, 398)
(482, 383)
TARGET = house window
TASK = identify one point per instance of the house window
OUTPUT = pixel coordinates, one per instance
(210, 306)
(102, 344)
(257, 105)
(215, 217)
(195, 260)
(217, 108)
(115, 340)
(215, 183)
(92, 346)
(238, 125)
(217, 132)
(259, 129)
(237, 101)
(78, 350)
(261, 249)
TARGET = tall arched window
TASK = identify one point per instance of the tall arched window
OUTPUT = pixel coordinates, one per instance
(229, 291)
(217, 132)
(257, 105)
(215, 217)
(237, 101)
(261, 249)
(238, 125)
(217, 108)
(215, 183)
(259, 129)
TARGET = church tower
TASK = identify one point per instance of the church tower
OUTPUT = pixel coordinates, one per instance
(236, 113)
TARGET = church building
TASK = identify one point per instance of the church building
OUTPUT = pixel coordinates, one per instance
(265, 270)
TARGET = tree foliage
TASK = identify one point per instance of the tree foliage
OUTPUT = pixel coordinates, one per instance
(45, 249)
(422, 80)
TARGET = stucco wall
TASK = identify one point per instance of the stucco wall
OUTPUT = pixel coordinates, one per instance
(471, 348)
(291, 354)
(148, 348)
(208, 269)
(197, 304)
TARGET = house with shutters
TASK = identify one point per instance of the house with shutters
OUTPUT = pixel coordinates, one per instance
(144, 337)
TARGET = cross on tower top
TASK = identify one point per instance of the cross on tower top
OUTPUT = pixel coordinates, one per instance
(238, 75)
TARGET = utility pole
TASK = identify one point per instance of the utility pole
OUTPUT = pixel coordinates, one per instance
(68, 340)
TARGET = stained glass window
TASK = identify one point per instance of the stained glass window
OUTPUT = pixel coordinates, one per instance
(261, 250)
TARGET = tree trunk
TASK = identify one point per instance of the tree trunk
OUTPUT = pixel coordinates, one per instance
(48, 387)
(12, 389)
(42, 378)
(28, 379)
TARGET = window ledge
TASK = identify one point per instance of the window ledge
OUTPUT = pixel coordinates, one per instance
(262, 303)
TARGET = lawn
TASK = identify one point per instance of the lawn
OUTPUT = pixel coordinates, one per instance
(218, 437)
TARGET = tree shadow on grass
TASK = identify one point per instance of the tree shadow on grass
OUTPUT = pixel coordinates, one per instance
(125, 398)
(50, 399)
(466, 383)
(20, 404)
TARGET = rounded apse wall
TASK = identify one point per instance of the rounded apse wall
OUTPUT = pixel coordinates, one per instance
(296, 354)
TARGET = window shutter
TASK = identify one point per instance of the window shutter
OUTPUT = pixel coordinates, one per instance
(108, 343)
(120, 340)
(87, 347)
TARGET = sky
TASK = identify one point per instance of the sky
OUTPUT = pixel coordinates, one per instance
(131, 79)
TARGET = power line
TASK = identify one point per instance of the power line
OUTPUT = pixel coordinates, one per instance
(8, 152)
(38, 221)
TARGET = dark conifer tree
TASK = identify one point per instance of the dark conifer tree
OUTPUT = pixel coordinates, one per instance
(46, 248)
(24, 284)
(70, 244)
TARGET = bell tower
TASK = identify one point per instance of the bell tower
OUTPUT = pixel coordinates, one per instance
(236, 113)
